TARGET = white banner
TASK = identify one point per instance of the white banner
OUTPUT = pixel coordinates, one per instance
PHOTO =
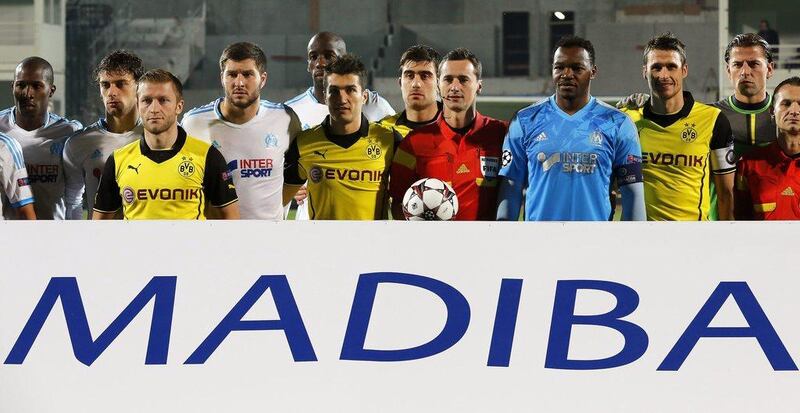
(398, 317)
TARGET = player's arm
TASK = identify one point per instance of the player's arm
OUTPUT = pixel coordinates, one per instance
(74, 181)
(218, 185)
(402, 173)
(108, 200)
(723, 166)
(14, 178)
(627, 171)
(635, 101)
(742, 200)
(513, 173)
(293, 174)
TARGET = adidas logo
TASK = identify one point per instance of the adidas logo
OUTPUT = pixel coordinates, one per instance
(462, 169)
(542, 137)
(788, 191)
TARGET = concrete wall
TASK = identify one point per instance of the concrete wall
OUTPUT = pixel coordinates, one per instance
(619, 50)
(783, 15)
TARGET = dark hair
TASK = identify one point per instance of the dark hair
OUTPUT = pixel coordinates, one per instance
(38, 63)
(120, 61)
(575, 41)
(420, 53)
(749, 40)
(792, 81)
(463, 53)
(242, 51)
(162, 76)
(348, 64)
(666, 41)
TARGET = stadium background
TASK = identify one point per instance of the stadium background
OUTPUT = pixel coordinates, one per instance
(513, 38)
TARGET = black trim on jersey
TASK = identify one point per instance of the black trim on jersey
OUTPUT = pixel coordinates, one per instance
(702, 185)
(760, 106)
(107, 198)
(159, 156)
(667, 120)
(402, 120)
(291, 165)
(217, 181)
(722, 136)
(345, 141)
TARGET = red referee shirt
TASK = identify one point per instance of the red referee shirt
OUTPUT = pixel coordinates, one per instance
(468, 162)
(768, 185)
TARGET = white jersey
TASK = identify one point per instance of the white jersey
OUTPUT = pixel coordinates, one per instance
(312, 113)
(85, 155)
(253, 150)
(13, 176)
(42, 150)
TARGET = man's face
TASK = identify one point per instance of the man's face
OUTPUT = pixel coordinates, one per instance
(345, 97)
(242, 82)
(118, 90)
(458, 84)
(763, 26)
(32, 92)
(786, 109)
(322, 51)
(665, 73)
(572, 72)
(159, 106)
(748, 70)
(418, 84)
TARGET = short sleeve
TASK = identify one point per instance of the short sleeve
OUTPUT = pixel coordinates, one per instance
(514, 161)
(73, 180)
(293, 172)
(627, 154)
(13, 175)
(108, 198)
(217, 181)
(723, 159)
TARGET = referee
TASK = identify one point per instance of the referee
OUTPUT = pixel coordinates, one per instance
(165, 174)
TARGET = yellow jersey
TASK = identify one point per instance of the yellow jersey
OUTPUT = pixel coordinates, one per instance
(400, 123)
(347, 175)
(679, 152)
(165, 184)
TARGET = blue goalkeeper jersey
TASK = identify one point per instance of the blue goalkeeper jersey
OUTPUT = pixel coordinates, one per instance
(567, 162)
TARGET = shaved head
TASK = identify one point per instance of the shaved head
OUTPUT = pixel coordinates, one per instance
(35, 64)
(328, 38)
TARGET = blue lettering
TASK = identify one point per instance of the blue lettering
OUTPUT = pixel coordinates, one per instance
(564, 318)
(290, 321)
(86, 350)
(458, 315)
(759, 328)
(505, 323)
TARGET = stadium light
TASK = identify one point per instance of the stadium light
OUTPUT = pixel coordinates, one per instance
(559, 15)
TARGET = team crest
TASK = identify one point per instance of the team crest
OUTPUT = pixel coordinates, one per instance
(186, 167)
(373, 150)
(596, 138)
(271, 141)
(689, 133)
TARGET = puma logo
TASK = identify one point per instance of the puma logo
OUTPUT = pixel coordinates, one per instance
(322, 154)
(135, 168)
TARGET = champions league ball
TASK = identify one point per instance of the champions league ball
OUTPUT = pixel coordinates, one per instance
(430, 199)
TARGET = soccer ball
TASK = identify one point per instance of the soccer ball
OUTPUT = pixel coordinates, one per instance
(430, 199)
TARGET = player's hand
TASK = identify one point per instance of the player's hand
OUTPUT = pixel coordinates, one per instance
(301, 195)
(634, 101)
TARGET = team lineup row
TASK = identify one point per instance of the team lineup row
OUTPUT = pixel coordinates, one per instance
(342, 153)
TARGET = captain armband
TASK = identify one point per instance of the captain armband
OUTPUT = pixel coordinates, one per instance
(723, 161)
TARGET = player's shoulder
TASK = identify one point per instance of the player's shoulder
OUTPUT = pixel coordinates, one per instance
(202, 111)
(378, 129)
(10, 144)
(276, 106)
(703, 109)
(130, 148)
(532, 110)
(616, 116)
(313, 133)
(307, 94)
(59, 122)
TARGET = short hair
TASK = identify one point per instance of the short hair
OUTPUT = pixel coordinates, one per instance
(242, 51)
(792, 81)
(463, 53)
(38, 63)
(749, 40)
(162, 76)
(120, 61)
(348, 64)
(666, 41)
(567, 42)
(420, 53)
